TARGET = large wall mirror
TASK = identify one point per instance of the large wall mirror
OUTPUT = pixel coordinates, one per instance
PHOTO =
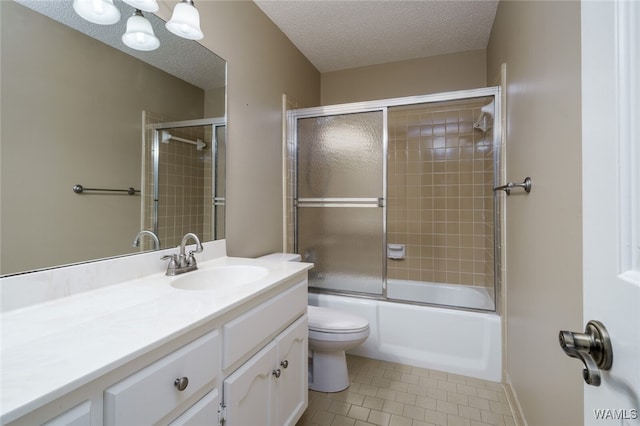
(81, 108)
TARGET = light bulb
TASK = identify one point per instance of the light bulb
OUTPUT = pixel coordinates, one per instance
(139, 34)
(101, 12)
(144, 5)
(185, 21)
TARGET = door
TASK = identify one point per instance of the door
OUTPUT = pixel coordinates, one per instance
(340, 196)
(250, 392)
(611, 202)
(291, 385)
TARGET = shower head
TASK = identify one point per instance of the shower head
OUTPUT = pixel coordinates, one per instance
(483, 123)
(487, 109)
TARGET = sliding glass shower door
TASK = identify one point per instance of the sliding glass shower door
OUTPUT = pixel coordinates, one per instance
(340, 200)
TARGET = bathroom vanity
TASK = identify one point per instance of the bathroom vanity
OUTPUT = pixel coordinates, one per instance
(184, 350)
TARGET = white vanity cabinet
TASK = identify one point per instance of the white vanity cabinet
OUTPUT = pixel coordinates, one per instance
(271, 388)
(245, 364)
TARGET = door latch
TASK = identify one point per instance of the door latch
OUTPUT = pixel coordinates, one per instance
(593, 348)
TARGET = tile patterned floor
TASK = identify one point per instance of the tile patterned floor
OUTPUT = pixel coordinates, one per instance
(389, 394)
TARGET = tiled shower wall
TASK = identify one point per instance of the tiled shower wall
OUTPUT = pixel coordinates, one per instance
(185, 185)
(440, 199)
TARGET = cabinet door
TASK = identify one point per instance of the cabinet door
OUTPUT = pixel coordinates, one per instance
(291, 386)
(249, 392)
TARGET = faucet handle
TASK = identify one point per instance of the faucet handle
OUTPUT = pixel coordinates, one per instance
(191, 259)
(173, 260)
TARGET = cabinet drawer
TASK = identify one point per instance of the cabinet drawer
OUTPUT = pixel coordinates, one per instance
(150, 394)
(80, 415)
(203, 412)
(247, 331)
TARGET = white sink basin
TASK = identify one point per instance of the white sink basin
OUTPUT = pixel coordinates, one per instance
(220, 277)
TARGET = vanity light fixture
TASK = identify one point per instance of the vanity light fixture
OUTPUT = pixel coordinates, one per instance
(102, 12)
(144, 5)
(185, 21)
(139, 34)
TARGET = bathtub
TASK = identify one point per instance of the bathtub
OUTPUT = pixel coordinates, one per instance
(463, 296)
(460, 342)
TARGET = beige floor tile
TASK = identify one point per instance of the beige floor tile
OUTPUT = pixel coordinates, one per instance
(343, 421)
(339, 407)
(373, 402)
(384, 393)
(379, 418)
(359, 413)
(400, 421)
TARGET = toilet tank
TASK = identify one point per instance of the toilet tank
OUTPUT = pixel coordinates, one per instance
(282, 257)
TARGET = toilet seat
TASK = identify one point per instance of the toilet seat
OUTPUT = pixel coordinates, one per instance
(333, 321)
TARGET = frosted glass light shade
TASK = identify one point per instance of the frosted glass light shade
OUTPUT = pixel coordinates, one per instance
(139, 35)
(101, 12)
(185, 21)
(145, 5)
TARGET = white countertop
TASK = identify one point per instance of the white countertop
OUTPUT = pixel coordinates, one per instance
(52, 348)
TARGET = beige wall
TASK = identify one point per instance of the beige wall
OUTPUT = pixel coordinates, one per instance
(71, 114)
(443, 73)
(540, 43)
(262, 64)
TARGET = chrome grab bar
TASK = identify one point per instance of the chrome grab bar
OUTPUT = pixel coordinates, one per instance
(79, 189)
(526, 185)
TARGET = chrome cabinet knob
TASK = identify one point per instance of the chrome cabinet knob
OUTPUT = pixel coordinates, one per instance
(593, 348)
(284, 364)
(181, 383)
(276, 373)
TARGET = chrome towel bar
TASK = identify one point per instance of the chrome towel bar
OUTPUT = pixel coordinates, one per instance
(79, 189)
(526, 185)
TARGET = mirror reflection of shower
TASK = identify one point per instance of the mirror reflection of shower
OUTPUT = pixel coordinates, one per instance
(184, 178)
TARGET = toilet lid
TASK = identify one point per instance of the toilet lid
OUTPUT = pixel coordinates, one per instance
(331, 320)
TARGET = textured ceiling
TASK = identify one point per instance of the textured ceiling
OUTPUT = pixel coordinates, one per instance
(185, 59)
(337, 35)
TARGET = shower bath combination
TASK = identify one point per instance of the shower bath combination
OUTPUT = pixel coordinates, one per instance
(392, 201)
(393, 198)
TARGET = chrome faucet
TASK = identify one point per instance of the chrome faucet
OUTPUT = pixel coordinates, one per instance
(181, 263)
(156, 240)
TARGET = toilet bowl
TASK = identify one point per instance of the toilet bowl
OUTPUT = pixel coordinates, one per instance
(331, 333)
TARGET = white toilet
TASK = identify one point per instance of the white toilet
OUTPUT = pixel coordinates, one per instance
(331, 333)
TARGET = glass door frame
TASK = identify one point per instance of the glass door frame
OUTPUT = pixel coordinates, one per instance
(383, 105)
(344, 202)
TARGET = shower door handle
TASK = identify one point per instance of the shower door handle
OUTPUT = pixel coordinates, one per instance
(593, 348)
